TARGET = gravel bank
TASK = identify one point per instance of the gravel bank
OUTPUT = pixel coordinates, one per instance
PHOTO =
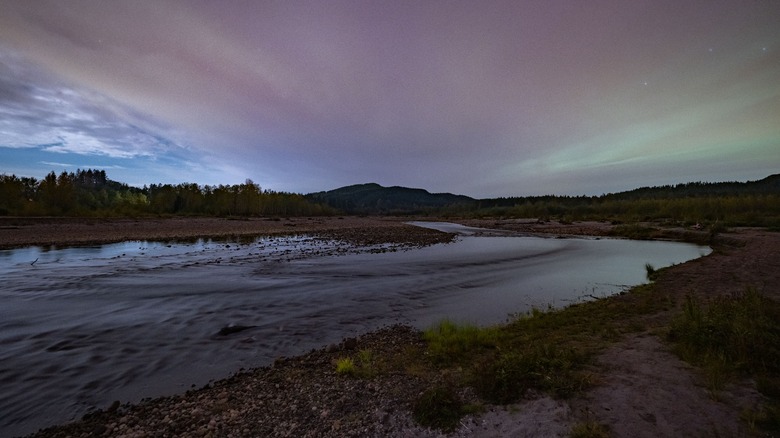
(299, 397)
(19, 232)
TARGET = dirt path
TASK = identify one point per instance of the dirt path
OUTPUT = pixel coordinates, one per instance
(646, 391)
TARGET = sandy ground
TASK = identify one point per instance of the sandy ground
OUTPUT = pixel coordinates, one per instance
(642, 389)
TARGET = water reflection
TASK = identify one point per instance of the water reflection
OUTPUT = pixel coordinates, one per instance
(85, 326)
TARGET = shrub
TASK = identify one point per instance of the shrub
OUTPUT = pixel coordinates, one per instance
(439, 408)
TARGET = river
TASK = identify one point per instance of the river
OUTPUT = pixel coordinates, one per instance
(81, 327)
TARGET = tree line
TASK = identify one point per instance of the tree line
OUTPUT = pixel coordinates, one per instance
(731, 210)
(90, 193)
(755, 203)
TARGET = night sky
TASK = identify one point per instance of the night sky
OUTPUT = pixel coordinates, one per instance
(482, 98)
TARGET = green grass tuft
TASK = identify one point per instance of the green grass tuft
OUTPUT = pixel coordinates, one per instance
(346, 366)
(548, 351)
(449, 342)
(765, 419)
(589, 430)
(440, 408)
(543, 366)
(364, 365)
(736, 334)
(652, 274)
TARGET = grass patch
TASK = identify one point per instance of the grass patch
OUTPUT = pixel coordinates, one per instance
(366, 358)
(543, 351)
(346, 366)
(506, 377)
(364, 365)
(652, 274)
(764, 419)
(439, 408)
(737, 334)
(589, 430)
(549, 351)
(449, 342)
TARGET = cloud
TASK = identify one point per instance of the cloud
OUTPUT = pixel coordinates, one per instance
(39, 111)
(476, 98)
(81, 166)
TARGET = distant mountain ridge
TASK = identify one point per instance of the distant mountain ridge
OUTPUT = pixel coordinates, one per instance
(372, 198)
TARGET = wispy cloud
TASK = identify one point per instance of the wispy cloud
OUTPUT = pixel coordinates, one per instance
(81, 166)
(39, 111)
(520, 97)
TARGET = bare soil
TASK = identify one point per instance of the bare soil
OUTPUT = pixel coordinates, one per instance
(641, 388)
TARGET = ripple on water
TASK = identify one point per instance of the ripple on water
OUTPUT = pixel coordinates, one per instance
(84, 327)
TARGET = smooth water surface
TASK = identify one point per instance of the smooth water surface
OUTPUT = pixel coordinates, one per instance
(82, 327)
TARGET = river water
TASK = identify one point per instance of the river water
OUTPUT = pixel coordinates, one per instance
(81, 327)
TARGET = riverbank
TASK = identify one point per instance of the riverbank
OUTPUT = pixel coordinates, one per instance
(44, 231)
(637, 388)
(18, 232)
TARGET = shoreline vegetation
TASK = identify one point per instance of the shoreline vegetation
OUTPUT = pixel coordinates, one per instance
(607, 367)
(91, 194)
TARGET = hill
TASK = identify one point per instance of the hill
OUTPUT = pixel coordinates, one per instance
(731, 203)
(373, 198)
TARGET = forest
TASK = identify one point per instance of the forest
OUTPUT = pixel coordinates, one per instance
(752, 203)
(91, 193)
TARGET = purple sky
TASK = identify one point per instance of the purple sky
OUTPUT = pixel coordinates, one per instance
(482, 98)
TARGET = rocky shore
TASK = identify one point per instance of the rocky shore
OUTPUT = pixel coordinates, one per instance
(640, 388)
(297, 397)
